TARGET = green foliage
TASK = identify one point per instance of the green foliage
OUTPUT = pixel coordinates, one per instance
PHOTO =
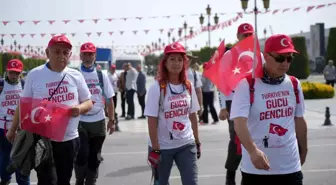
(28, 63)
(331, 48)
(312, 90)
(300, 65)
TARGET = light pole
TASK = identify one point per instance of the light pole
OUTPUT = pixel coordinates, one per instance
(169, 34)
(216, 19)
(15, 45)
(244, 4)
(180, 33)
(2, 42)
(185, 26)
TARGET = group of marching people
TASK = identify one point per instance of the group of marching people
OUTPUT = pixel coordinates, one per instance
(265, 115)
(80, 149)
(268, 132)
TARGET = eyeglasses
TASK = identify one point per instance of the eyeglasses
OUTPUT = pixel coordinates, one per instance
(282, 58)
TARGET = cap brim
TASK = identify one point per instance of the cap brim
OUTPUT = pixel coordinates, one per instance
(14, 69)
(286, 50)
(87, 51)
(63, 43)
(247, 32)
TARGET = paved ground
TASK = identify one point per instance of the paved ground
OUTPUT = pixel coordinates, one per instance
(125, 152)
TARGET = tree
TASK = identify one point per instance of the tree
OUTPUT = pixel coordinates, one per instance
(300, 65)
(331, 48)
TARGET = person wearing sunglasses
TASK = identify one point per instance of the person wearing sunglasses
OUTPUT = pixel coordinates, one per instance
(269, 119)
(172, 119)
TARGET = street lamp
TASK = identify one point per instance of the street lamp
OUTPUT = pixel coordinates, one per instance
(201, 19)
(185, 26)
(15, 44)
(244, 4)
(169, 34)
(173, 39)
(2, 41)
(180, 33)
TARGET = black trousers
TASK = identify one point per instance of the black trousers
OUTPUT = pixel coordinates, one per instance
(141, 100)
(286, 179)
(208, 103)
(123, 103)
(233, 159)
(92, 136)
(330, 82)
(58, 171)
(130, 102)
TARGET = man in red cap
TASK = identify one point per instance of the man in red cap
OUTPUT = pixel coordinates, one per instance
(92, 126)
(233, 158)
(11, 87)
(269, 121)
(56, 82)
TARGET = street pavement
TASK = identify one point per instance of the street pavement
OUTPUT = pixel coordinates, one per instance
(125, 152)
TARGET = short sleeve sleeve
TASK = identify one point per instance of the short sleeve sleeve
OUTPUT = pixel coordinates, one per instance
(108, 90)
(83, 90)
(194, 101)
(152, 103)
(300, 107)
(240, 106)
(28, 87)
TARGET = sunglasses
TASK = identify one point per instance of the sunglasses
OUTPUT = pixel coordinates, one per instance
(282, 59)
(247, 35)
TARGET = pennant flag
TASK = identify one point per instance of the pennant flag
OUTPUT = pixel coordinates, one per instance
(44, 118)
(226, 70)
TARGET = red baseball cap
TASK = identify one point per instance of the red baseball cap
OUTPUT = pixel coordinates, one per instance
(175, 47)
(14, 65)
(113, 66)
(279, 44)
(60, 39)
(88, 48)
(245, 28)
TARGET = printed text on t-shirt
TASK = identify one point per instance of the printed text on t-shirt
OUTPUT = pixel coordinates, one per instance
(178, 106)
(277, 105)
(61, 94)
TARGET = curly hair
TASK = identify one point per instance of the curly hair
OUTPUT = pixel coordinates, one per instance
(163, 74)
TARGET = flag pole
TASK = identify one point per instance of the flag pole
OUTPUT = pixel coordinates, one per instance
(255, 39)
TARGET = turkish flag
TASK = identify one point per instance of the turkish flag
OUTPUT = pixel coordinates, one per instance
(229, 68)
(211, 69)
(178, 126)
(277, 129)
(44, 118)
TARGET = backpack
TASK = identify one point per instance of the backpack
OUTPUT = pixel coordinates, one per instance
(2, 83)
(251, 82)
(163, 92)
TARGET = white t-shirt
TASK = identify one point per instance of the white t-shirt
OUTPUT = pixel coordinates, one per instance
(9, 99)
(114, 81)
(191, 78)
(41, 82)
(271, 116)
(174, 126)
(97, 112)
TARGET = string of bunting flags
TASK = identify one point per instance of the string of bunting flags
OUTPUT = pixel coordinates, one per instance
(97, 20)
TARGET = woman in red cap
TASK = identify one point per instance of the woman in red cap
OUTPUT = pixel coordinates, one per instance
(172, 119)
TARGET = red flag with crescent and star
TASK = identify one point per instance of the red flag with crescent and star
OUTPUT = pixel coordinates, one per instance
(44, 118)
(228, 69)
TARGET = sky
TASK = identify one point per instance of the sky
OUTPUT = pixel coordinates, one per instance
(29, 10)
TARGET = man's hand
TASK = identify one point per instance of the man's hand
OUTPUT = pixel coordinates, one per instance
(10, 135)
(200, 112)
(110, 126)
(75, 111)
(259, 160)
(303, 155)
(223, 114)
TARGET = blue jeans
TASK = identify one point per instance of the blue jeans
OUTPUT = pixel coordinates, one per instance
(186, 161)
(5, 149)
